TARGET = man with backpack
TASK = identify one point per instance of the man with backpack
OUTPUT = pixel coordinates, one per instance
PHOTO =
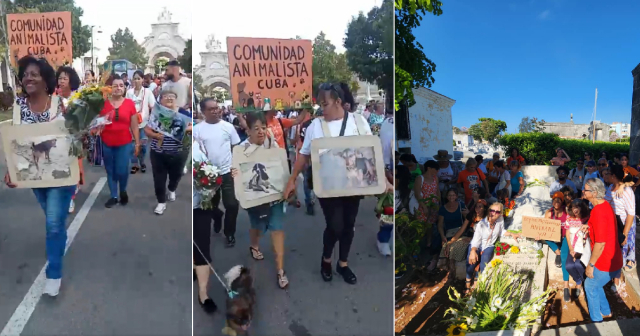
(576, 175)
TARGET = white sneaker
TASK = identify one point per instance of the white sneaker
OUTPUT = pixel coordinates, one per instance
(171, 196)
(52, 287)
(72, 206)
(185, 171)
(384, 249)
(160, 208)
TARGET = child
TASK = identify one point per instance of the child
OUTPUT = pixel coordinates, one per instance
(270, 216)
(578, 215)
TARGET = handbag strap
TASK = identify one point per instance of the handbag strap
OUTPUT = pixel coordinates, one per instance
(325, 126)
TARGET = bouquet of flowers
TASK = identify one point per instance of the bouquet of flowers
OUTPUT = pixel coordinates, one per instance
(502, 248)
(81, 116)
(385, 207)
(375, 129)
(206, 180)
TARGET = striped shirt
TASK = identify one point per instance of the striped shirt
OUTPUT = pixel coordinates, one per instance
(622, 205)
(169, 145)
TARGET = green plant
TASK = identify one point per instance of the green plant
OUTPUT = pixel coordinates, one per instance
(409, 232)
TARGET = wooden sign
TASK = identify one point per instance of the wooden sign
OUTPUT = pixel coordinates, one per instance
(42, 35)
(543, 228)
(274, 71)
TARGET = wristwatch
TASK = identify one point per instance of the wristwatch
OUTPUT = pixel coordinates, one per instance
(592, 265)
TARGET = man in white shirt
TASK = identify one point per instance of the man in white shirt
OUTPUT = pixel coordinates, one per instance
(217, 137)
(577, 174)
(562, 181)
(179, 84)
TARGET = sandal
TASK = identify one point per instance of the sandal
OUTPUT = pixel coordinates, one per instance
(467, 290)
(255, 253)
(283, 281)
(630, 266)
(134, 170)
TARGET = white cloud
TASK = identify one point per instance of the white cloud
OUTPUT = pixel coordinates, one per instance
(544, 15)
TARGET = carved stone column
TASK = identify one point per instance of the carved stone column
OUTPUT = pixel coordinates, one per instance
(635, 117)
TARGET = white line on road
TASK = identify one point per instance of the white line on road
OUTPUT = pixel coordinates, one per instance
(21, 315)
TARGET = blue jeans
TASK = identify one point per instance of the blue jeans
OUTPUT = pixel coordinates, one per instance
(594, 288)
(384, 234)
(139, 160)
(487, 255)
(307, 192)
(55, 203)
(564, 252)
(116, 163)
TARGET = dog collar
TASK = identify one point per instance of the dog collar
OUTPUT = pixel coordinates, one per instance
(232, 294)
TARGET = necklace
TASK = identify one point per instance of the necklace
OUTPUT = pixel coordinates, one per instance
(46, 106)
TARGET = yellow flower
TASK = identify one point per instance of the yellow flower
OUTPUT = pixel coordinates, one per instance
(514, 249)
(457, 330)
(74, 96)
(496, 262)
(506, 212)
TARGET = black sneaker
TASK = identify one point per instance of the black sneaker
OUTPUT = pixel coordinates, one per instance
(347, 274)
(567, 295)
(208, 305)
(231, 241)
(143, 168)
(310, 210)
(111, 202)
(558, 261)
(124, 198)
(325, 270)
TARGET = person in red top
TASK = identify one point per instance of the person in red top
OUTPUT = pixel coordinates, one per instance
(606, 256)
(471, 179)
(515, 155)
(117, 138)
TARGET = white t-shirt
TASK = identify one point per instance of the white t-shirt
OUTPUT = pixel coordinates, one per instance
(217, 140)
(144, 102)
(314, 131)
(181, 88)
(386, 136)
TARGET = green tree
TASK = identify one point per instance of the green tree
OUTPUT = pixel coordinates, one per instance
(80, 34)
(328, 66)
(369, 46)
(185, 58)
(413, 68)
(531, 125)
(125, 46)
(456, 130)
(487, 129)
(161, 64)
(197, 83)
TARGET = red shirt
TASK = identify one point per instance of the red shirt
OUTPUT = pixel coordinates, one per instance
(602, 229)
(118, 133)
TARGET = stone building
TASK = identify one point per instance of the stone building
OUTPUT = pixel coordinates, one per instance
(571, 130)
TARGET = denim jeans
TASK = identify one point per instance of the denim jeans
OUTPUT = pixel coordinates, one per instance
(564, 252)
(55, 203)
(116, 163)
(385, 232)
(596, 299)
(139, 160)
(487, 255)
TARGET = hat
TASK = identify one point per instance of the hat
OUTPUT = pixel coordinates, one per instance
(590, 163)
(443, 155)
(557, 194)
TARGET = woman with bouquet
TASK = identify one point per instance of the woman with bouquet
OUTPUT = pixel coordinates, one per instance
(117, 140)
(167, 153)
(40, 105)
(144, 100)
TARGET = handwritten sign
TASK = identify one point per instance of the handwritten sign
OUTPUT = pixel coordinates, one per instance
(546, 229)
(42, 35)
(273, 71)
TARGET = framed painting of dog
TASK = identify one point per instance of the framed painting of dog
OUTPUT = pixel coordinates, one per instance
(347, 166)
(38, 155)
(262, 175)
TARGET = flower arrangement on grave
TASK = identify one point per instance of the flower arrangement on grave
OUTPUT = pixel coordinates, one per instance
(536, 183)
(502, 248)
(206, 181)
(514, 250)
(457, 330)
(81, 116)
(497, 302)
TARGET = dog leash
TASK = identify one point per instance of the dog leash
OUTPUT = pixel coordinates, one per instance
(229, 291)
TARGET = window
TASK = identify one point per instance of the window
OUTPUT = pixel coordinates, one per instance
(403, 131)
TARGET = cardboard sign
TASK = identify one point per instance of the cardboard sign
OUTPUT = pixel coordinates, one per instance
(40, 35)
(274, 71)
(546, 229)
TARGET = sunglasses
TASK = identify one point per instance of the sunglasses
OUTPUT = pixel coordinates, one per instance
(602, 165)
(117, 114)
(330, 87)
(494, 211)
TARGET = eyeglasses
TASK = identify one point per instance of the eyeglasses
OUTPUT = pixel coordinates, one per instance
(602, 165)
(587, 190)
(479, 206)
(494, 211)
(588, 166)
(562, 173)
(580, 163)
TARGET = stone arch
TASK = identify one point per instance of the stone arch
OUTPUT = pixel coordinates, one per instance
(218, 82)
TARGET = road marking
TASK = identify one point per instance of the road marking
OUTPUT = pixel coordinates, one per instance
(21, 315)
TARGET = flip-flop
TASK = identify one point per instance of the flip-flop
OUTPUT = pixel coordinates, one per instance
(630, 268)
(255, 253)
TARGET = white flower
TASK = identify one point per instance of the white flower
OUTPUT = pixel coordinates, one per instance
(210, 170)
(493, 309)
(512, 326)
(474, 321)
(471, 303)
(497, 302)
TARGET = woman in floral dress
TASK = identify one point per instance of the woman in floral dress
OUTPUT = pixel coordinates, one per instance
(426, 186)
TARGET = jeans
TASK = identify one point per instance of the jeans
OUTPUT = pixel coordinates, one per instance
(340, 216)
(308, 197)
(163, 166)
(231, 206)
(385, 232)
(564, 252)
(596, 299)
(487, 255)
(139, 160)
(575, 269)
(116, 163)
(55, 203)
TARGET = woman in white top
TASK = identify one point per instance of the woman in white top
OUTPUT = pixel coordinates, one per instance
(487, 231)
(144, 100)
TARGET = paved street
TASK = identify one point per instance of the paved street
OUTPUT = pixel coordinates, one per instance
(127, 272)
(309, 306)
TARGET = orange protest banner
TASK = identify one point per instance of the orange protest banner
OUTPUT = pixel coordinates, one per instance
(40, 35)
(273, 71)
(543, 228)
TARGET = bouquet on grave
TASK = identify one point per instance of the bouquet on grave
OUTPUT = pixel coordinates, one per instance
(502, 248)
(81, 116)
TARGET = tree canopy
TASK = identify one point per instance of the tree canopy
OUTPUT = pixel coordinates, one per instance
(125, 46)
(529, 125)
(185, 58)
(487, 129)
(328, 66)
(413, 69)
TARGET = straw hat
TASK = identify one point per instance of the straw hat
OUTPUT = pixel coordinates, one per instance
(443, 155)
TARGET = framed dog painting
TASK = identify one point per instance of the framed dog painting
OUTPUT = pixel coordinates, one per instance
(262, 175)
(38, 155)
(347, 166)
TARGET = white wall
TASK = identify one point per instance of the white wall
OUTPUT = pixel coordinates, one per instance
(430, 124)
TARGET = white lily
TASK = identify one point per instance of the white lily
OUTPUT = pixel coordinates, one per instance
(471, 303)
(497, 302)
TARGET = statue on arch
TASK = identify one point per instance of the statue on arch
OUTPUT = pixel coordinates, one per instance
(165, 16)
(212, 44)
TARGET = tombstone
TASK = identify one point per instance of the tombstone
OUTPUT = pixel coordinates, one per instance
(528, 261)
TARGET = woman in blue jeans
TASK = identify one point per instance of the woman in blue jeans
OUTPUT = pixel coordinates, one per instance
(40, 105)
(487, 231)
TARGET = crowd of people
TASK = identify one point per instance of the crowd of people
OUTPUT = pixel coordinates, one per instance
(120, 146)
(595, 203)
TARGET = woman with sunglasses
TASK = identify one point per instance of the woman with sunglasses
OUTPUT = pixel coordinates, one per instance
(487, 231)
(117, 140)
(457, 247)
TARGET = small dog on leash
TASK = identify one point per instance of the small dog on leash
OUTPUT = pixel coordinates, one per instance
(240, 301)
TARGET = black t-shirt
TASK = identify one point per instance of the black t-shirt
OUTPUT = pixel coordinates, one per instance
(303, 129)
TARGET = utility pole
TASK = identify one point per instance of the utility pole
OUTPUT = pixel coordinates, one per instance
(594, 117)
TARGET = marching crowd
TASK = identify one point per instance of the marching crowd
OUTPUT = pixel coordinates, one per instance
(120, 146)
(595, 203)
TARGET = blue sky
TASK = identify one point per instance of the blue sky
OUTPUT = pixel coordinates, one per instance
(540, 58)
